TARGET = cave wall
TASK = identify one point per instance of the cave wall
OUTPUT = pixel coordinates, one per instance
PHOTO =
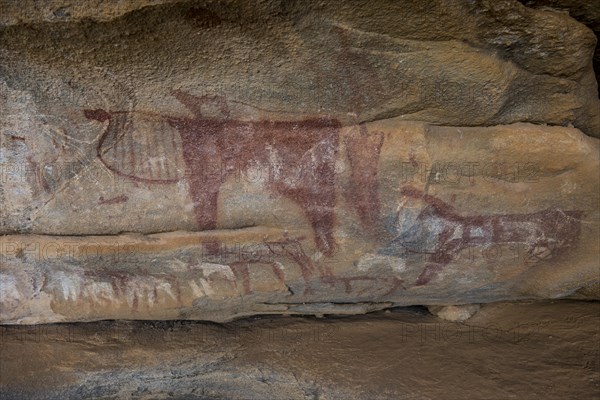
(211, 160)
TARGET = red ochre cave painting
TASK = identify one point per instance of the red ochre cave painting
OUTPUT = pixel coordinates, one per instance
(299, 157)
(292, 248)
(553, 230)
(304, 153)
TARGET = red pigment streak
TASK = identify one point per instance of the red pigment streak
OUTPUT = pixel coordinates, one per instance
(135, 301)
(553, 228)
(119, 281)
(413, 160)
(396, 284)
(39, 174)
(98, 115)
(241, 270)
(294, 250)
(364, 149)
(115, 200)
(278, 272)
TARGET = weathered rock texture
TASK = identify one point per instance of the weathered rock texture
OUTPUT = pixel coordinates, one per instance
(457, 62)
(364, 217)
(586, 12)
(523, 351)
(213, 160)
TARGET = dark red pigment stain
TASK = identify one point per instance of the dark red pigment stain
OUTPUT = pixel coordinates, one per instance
(352, 71)
(393, 282)
(364, 149)
(203, 18)
(306, 175)
(115, 139)
(39, 174)
(294, 250)
(120, 283)
(115, 200)
(554, 229)
(98, 115)
(306, 151)
(413, 159)
(241, 270)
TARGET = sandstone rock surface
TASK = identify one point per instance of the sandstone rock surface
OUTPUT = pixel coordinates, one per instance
(506, 350)
(400, 213)
(449, 62)
(586, 12)
(211, 160)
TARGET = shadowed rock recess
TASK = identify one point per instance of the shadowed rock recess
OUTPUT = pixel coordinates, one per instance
(516, 350)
